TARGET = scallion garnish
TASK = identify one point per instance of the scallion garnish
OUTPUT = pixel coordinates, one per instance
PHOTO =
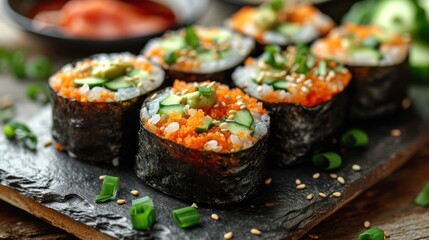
(108, 189)
(19, 131)
(323, 68)
(191, 37)
(144, 200)
(142, 216)
(372, 234)
(327, 160)
(170, 57)
(186, 217)
(272, 49)
(276, 4)
(371, 42)
(269, 59)
(354, 138)
(37, 92)
(17, 62)
(204, 90)
(39, 68)
(423, 198)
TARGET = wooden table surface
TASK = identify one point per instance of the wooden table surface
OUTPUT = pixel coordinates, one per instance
(388, 205)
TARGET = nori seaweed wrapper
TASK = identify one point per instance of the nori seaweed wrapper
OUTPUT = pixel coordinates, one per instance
(223, 76)
(298, 131)
(198, 175)
(96, 131)
(377, 91)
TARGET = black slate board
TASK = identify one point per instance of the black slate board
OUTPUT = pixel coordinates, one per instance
(68, 186)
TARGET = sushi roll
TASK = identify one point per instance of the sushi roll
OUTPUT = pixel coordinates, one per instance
(277, 22)
(305, 97)
(96, 104)
(195, 54)
(203, 142)
(378, 61)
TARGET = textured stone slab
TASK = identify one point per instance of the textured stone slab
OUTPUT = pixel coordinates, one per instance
(61, 190)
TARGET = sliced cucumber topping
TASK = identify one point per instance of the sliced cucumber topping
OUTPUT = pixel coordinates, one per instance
(288, 29)
(167, 110)
(266, 80)
(236, 128)
(369, 54)
(281, 85)
(244, 117)
(371, 42)
(109, 71)
(205, 91)
(206, 56)
(171, 99)
(207, 123)
(173, 43)
(138, 73)
(118, 83)
(395, 15)
(91, 81)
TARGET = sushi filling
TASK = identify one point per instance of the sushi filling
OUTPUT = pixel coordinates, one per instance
(206, 116)
(199, 49)
(277, 23)
(292, 76)
(107, 78)
(356, 45)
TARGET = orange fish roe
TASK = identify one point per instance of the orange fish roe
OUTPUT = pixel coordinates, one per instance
(226, 100)
(62, 81)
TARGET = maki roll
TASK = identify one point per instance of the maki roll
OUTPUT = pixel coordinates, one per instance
(378, 62)
(305, 97)
(96, 103)
(203, 142)
(278, 23)
(195, 54)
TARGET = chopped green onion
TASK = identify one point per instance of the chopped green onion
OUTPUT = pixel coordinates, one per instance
(372, 234)
(323, 68)
(272, 49)
(108, 189)
(37, 92)
(423, 198)
(17, 63)
(302, 49)
(371, 42)
(354, 138)
(339, 67)
(19, 131)
(9, 131)
(327, 160)
(186, 217)
(170, 57)
(302, 65)
(204, 90)
(310, 61)
(276, 4)
(143, 201)
(269, 59)
(142, 216)
(40, 68)
(191, 37)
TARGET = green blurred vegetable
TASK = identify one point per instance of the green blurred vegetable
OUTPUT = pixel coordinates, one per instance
(39, 68)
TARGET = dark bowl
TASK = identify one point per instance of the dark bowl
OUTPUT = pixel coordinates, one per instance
(186, 12)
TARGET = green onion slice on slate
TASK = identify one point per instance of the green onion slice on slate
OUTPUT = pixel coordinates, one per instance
(108, 189)
(323, 68)
(37, 92)
(143, 201)
(19, 131)
(142, 216)
(372, 234)
(327, 160)
(186, 217)
(423, 198)
(354, 138)
(39, 68)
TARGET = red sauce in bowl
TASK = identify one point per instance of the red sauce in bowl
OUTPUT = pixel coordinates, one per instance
(103, 19)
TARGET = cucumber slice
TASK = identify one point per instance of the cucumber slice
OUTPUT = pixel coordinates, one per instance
(236, 128)
(207, 123)
(167, 110)
(372, 55)
(206, 56)
(205, 91)
(419, 60)
(91, 81)
(218, 35)
(244, 117)
(281, 85)
(361, 13)
(288, 29)
(171, 99)
(173, 43)
(395, 15)
(266, 80)
(118, 83)
(138, 73)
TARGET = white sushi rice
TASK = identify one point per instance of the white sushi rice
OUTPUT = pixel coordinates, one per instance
(144, 85)
(260, 125)
(240, 48)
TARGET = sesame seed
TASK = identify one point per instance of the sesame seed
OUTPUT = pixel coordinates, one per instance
(47, 143)
(341, 180)
(269, 204)
(228, 235)
(228, 97)
(316, 175)
(223, 104)
(215, 122)
(101, 177)
(216, 105)
(336, 194)
(231, 117)
(238, 97)
(305, 89)
(356, 167)
(223, 125)
(313, 236)
(406, 103)
(231, 111)
(322, 195)
(135, 193)
(120, 201)
(215, 217)
(259, 89)
(333, 175)
(395, 132)
(367, 224)
(194, 205)
(309, 196)
(224, 130)
(212, 84)
(268, 180)
(242, 107)
(297, 181)
(300, 186)
(255, 231)
(386, 234)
